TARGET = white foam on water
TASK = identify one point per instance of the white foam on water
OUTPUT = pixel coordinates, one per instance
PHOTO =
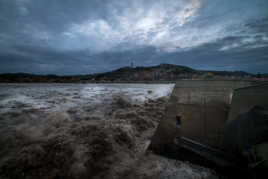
(64, 96)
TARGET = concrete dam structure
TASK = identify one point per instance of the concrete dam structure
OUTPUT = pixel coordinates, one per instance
(223, 122)
(200, 109)
(247, 125)
(245, 98)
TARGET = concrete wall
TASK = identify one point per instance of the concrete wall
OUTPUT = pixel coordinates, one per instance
(246, 98)
(203, 108)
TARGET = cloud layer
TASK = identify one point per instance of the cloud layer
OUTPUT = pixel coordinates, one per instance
(73, 37)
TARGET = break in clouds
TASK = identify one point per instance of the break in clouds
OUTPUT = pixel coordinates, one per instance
(90, 36)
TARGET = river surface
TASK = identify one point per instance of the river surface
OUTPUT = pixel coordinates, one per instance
(50, 131)
(58, 97)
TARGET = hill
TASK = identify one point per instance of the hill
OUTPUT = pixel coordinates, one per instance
(162, 72)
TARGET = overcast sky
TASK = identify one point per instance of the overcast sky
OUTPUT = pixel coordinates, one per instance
(91, 36)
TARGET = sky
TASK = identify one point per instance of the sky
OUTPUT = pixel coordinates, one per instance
(67, 37)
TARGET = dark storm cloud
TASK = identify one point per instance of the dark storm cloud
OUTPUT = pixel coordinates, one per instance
(72, 37)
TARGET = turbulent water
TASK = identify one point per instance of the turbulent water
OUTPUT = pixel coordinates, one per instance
(85, 131)
(64, 96)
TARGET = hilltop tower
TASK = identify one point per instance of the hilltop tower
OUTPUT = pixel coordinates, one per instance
(131, 65)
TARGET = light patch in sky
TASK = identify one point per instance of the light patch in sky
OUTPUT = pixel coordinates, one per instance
(227, 47)
(98, 28)
(155, 26)
(188, 11)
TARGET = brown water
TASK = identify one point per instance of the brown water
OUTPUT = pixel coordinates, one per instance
(85, 131)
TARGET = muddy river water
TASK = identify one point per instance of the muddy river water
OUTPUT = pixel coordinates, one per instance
(85, 131)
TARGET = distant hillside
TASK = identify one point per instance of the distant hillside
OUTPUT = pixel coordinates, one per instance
(265, 75)
(32, 78)
(165, 72)
(162, 72)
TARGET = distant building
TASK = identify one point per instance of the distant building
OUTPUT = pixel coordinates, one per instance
(131, 65)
